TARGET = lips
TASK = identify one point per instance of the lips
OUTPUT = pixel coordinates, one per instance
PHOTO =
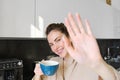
(59, 51)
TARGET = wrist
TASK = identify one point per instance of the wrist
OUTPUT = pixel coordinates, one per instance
(37, 77)
(105, 71)
(97, 64)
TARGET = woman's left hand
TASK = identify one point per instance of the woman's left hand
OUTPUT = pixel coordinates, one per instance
(84, 48)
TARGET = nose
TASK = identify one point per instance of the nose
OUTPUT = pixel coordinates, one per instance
(55, 47)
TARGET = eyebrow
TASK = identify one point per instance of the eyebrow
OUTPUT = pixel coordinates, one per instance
(55, 39)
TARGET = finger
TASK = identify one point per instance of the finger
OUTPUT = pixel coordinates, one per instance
(68, 47)
(88, 29)
(73, 24)
(79, 21)
(69, 29)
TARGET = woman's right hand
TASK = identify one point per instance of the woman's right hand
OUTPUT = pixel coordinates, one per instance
(37, 70)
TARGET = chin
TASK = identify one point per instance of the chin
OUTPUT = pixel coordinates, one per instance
(61, 56)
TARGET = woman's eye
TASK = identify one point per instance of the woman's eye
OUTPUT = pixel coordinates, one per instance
(58, 40)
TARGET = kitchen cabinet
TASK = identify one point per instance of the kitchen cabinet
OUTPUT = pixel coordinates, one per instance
(29, 18)
(99, 14)
(116, 23)
(16, 18)
(116, 4)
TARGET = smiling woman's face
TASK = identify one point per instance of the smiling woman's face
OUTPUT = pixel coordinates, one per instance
(56, 43)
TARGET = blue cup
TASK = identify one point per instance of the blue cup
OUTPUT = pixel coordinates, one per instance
(49, 67)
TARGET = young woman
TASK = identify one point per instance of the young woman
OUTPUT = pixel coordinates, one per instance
(78, 52)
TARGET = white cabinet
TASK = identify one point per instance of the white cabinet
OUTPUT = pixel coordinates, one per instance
(116, 18)
(98, 13)
(29, 18)
(116, 4)
(16, 17)
(116, 23)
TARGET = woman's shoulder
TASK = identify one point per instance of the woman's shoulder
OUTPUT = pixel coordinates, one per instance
(56, 58)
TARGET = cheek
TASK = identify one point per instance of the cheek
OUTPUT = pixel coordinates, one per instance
(60, 44)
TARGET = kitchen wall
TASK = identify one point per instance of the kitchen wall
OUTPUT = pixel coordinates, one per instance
(110, 50)
(115, 4)
(31, 50)
(98, 13)
(16, 18)
(26, 49)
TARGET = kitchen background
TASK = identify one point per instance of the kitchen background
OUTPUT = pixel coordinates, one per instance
(32, 50)
(22, 24)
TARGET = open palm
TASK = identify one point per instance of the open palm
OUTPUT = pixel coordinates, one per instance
(84, 48)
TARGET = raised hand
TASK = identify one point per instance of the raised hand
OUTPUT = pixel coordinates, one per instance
(84, 48)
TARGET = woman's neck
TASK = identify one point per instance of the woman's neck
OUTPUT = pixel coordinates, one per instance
(68, 59)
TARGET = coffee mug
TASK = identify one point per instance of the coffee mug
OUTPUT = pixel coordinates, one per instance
(49, 67)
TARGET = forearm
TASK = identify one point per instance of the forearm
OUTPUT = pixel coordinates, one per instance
(105, 71)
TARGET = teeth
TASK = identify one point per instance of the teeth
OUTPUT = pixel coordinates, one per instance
(60, 51)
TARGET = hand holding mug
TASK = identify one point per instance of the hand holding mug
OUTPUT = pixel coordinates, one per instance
(37, 70)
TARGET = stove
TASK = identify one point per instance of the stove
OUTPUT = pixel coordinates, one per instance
(11, 69)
